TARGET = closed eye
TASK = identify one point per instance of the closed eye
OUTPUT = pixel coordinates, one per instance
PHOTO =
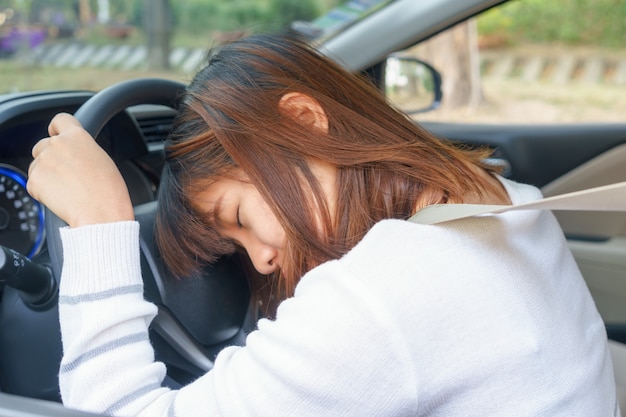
(239, 225)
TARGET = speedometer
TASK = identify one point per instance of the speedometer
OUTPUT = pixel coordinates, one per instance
(21, 216)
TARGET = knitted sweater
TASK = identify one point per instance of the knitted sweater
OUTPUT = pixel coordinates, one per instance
(487, 316)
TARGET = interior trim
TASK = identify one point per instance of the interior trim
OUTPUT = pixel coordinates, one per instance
(608, 167)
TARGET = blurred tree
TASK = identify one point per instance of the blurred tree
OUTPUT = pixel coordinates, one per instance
(202, 16)
(283, 12)
(578, 22)
(455, 53)
(157, 22)
(84, 12)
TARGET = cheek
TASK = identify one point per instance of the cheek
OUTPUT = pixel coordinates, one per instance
(274, 232)
(269, 230)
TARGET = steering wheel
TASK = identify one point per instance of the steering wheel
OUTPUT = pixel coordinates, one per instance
(197, 316)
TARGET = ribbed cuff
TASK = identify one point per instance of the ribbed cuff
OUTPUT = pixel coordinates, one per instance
(100, 257)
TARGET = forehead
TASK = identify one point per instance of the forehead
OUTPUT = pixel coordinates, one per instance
(209, 190)
(217, 195)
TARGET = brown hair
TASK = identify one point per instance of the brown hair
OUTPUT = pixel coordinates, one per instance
(230, 118)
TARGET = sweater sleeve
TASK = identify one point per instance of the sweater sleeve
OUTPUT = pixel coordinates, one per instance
(329, 351)
(107, 360)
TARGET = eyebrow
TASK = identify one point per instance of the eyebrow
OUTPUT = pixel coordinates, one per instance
(213, 215)
(217, 209)
(210, 216)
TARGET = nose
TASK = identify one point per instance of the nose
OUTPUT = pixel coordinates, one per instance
(264, 257)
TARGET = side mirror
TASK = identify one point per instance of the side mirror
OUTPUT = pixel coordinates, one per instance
(412, 85)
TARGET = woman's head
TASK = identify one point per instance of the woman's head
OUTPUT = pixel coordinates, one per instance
(234, 208)
(267, 112)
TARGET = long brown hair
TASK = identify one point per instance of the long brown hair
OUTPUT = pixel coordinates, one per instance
(231, 118)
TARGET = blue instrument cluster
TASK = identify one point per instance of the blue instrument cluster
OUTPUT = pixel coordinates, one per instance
(22, 226)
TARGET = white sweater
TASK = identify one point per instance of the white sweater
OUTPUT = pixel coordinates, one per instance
(487, 316)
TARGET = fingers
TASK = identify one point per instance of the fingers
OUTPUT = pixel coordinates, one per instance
(62, 125)
(39, 147)
(61, 122)
(33, 171)
(31, 186)
(64, 129)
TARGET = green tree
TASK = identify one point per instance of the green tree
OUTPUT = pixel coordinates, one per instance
(579, 22)
(283, 12)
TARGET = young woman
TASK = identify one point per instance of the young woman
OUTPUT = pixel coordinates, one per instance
(281, 154)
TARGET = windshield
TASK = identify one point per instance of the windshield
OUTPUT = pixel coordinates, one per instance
(88, 45)
(522, 61)
(338, 18)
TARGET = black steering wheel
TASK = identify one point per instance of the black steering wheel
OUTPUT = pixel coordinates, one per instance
(197, 316)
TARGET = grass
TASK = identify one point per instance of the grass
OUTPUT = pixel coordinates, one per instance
(519, 102)
(17, 77)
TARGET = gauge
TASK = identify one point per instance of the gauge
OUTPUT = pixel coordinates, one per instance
(21, 216)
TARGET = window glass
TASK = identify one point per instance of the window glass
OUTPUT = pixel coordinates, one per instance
(91, 44)
(532, 61)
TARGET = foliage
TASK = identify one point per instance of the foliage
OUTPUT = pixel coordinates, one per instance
(200, 16)
(195, 16)
(581, 22)
(287, 11)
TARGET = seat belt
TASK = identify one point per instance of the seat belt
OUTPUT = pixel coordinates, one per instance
(610, 197)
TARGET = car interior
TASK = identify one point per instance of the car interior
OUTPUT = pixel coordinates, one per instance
(200, 315)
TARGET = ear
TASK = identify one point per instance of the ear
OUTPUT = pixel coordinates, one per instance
(304, 110)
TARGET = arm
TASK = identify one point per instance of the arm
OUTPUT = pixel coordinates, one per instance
(331, 350)
(107, 358)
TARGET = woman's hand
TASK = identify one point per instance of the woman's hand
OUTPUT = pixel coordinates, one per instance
(75, 178)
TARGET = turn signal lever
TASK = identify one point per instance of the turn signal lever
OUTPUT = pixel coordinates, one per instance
(34, 282)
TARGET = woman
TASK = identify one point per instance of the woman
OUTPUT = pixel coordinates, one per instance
(279, 153)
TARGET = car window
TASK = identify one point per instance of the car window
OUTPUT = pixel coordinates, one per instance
(532, 62)
(89, 45)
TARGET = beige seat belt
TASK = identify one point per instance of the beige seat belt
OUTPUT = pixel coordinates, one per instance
(610, 197)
